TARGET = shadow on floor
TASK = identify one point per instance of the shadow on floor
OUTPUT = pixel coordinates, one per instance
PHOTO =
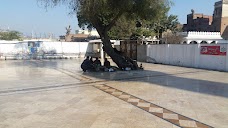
(152, 77)
(167, 80)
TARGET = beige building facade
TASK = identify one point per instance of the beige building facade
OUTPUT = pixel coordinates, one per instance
(204, 23)
(224, 22)
(220, 18)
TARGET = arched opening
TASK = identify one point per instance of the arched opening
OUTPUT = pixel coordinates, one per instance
(213, 42)
(185, 42)
(203, 42)
(193, 42)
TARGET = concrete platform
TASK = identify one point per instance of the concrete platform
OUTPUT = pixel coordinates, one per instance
(56, 93)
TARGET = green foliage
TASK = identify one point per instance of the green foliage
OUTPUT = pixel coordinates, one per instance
(10, 35)
(143, 32)
(118, 18)
(104, 14)
(123, 29)
(165, 23)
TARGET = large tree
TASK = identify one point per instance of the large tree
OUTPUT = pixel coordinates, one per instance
(104, 14)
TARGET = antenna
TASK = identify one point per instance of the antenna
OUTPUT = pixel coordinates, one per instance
(32, 34)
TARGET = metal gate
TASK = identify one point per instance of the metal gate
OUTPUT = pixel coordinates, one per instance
(129, 48)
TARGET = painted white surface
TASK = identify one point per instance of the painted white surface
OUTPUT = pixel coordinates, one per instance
(187, 55)
(15, 48)
(65, 47)
(209, 37)
(11, 49)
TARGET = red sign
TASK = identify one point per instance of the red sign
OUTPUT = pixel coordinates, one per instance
(213, 50)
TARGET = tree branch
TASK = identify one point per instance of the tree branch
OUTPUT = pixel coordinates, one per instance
(110, 25)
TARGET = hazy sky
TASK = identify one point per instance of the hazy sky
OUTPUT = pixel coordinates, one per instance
(28, 15)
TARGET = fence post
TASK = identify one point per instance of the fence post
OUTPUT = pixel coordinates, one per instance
(167, 61)
(197, 56)
(226, 58)
(147, 52)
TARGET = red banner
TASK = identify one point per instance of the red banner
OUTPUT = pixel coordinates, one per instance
(213, 50)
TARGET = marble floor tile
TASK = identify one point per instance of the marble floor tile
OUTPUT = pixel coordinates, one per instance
(56, 93)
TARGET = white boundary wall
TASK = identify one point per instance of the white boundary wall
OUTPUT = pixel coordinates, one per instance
(21, 50)
(65, 47)
(187, 56)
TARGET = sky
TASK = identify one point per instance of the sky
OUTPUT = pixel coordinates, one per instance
(29, 16)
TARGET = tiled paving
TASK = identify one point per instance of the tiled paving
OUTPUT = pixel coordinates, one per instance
(56, 93)
(170, 116)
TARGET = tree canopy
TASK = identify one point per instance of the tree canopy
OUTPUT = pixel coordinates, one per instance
(103, 15)
(123, 29)
(10, 35)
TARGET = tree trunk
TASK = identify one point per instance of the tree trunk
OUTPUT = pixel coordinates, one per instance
(121, 61)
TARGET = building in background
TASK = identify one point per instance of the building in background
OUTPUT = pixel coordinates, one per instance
(76, 38)
(220, 18)
(205, 23)
(92, 33)
(79, 36)
(198, 22)
(202, 38)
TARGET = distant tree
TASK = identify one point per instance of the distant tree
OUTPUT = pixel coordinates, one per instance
(10, 35)
(104, 14)
(165, 23)
(172, 38)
